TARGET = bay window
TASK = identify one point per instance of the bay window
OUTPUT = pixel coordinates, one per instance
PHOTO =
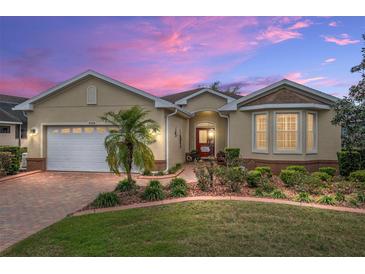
(260, 138)
(287, 133)
(311, 132)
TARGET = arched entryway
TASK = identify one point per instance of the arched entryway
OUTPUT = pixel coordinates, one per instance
(208, 133)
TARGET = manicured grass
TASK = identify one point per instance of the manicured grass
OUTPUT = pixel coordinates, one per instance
(214, 228)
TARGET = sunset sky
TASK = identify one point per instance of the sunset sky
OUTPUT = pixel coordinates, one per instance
(164, 55)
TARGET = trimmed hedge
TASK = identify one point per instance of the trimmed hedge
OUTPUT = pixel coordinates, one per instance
(289, 177)
(253, 178)
(322, 176)
(348, 161)
(15, 159)
(232, 155)
(264, 170)
(357, 176)
(300, 169)
(329, 170)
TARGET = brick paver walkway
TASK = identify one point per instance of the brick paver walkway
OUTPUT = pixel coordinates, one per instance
(29, 204)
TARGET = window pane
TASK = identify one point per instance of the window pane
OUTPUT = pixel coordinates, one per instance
(76, 130)
(287, 131)
(203, 136)
(88, 130)
(261, 131)
(65, 130)
(310, 132)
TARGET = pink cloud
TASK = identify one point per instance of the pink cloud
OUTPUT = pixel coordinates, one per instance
(333, 24)
(298, 77)
(24, 86)
(341, 40)
(301, 25)
(329, 61)
(277, 35)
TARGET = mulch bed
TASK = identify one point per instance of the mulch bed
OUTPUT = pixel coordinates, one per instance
(135, 197)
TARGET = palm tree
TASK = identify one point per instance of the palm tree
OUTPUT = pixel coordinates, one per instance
(128, 144)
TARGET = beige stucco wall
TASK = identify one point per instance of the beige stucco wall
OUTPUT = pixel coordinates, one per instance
(177, 126)
(329, 137)
(220, 128)
(69, 108)
(8, 139)
(205, 101)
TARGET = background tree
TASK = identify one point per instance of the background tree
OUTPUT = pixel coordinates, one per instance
(231, 90)
(129, 144)
(350, 111)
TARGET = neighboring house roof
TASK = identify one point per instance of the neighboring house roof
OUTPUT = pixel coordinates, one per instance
(182, 97)
(159, 103)
(7, 114)
(232, 106)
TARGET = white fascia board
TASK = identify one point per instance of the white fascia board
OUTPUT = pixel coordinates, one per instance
(11, 123)
(184, 101)
(233, 105)
(286, 106)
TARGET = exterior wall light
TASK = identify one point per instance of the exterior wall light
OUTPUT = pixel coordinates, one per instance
(33, 131)
(211, 133)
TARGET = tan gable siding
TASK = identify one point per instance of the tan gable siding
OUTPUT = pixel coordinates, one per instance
(69, 107)
(286, 96)
(205, 101)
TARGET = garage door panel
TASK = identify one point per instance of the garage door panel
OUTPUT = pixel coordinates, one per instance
(76, 149)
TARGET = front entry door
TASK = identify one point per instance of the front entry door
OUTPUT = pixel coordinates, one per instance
(205, 138)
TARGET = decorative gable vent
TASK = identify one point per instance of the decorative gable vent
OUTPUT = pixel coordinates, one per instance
(91, 96)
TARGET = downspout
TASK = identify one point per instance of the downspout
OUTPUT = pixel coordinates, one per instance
(228, 126)
(167, 139)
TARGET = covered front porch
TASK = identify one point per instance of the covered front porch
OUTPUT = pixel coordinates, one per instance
(208, 133)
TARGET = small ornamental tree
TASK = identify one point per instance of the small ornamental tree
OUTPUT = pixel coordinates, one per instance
(350, 111)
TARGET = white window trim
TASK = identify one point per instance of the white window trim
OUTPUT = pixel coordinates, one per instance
(253, 141)
(299, 149)
(315, 150)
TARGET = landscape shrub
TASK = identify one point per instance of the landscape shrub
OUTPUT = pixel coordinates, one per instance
(153, 191)
(308, 183)
(5, 162)
(264, 170)
(147, 172)
(15, 159)
(253, 178)
(235, 178)
(179, 191)
(290, 177)
(160, 173)
(303, 197)
(322, 176)
(348, 161)
(204, 178)
(357, 176)
(278, 194)
(232, 155)
(329, 170)
(106, 199)
(361, 197)
(125, 185)
(266, 185)
(362, 158)
(177, 182)
(259, 192)
(301, 169)
(220, 174)
(174, 169)
(327, 200)
(340, 197)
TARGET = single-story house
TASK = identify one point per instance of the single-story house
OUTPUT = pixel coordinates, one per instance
(282, 124)
(13, 123)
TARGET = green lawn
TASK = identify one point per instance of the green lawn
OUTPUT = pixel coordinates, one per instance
(214, 228)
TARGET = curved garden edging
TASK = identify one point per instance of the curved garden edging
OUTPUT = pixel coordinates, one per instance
(217, 198)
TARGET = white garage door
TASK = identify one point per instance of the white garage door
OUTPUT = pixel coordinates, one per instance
(76, 148)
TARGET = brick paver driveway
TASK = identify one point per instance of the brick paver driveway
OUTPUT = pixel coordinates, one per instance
(30, 203)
